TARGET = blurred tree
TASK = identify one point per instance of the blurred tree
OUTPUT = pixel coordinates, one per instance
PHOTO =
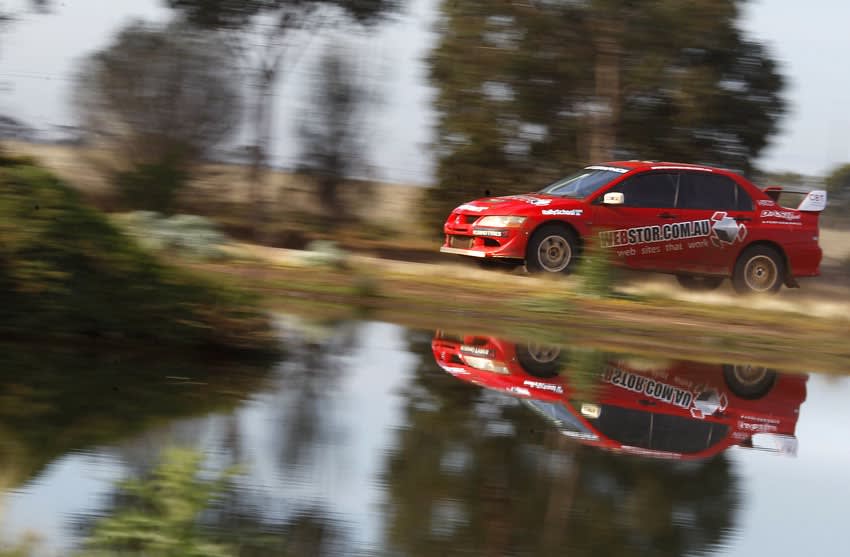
(160, 99)
(271, 33)
(782, 179)
(838, 184)
(332, 140)
(529, 91)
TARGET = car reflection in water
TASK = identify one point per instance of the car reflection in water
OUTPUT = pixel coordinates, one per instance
(664, 409)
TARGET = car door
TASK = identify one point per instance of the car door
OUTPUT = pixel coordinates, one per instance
(632, 230)
(718, 212)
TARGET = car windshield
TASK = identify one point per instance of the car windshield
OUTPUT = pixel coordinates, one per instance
(559, 415)
(583, 183)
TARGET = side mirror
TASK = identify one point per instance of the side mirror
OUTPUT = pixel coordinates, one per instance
(613, 198)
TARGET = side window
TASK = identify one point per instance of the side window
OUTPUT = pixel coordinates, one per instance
(745, 202)
(656, 190)
(699, 190)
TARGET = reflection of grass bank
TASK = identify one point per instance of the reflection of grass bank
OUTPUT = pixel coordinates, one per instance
(541, 309)
(57, 401)
(65, 271)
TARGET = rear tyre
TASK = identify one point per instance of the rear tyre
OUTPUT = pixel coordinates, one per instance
(539, 360)
(699, 283)
(749, 382)
(552, 249)
(760, 269)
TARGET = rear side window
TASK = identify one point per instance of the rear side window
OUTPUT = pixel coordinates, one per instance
(656, 190)
(700, 190)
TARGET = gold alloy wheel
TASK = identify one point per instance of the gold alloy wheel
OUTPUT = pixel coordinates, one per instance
(760, 273)
(748, 374)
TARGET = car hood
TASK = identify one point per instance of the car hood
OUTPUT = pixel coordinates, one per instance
(529, 203)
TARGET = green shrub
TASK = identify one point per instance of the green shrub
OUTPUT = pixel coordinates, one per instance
(186, 235)
(152, 187)
(596, 271)
(64, 269)
(162, 518)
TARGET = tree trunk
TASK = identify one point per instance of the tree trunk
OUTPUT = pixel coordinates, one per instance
(606, 112)
(259, 153)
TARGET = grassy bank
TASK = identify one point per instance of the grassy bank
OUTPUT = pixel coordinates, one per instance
(752, 330)
(66, 272)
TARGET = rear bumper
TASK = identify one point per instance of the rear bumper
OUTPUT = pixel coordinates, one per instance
(804, 260)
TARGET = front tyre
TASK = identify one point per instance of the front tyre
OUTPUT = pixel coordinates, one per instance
(760, 269)
(552, 249)
(539, 360)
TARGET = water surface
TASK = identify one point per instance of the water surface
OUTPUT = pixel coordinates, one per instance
(370, 439)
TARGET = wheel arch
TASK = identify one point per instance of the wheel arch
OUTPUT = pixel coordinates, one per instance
(563, 224)
(770, 244)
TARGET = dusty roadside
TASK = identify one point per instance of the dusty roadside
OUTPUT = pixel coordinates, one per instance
(718, 327)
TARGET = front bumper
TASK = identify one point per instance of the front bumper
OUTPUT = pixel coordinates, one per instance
(460, 251)
(465, 239)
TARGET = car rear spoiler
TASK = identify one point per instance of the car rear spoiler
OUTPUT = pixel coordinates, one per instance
(776, 443)
(814, 200)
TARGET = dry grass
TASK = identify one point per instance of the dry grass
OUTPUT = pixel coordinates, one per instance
(223, 189)
(835, 244)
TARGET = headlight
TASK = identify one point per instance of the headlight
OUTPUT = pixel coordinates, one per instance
(501, 222)
(485, 364)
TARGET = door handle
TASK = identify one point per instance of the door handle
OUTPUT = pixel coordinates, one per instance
(667, 216)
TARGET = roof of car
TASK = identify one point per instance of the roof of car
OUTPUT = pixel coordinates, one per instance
(658, 165)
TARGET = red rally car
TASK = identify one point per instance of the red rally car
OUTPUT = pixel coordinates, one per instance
(699, 223)
(662, 409)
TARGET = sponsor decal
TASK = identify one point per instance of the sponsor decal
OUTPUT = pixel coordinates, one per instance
(518, 391)
(608, 168)
(757, 428)
(487, 232)
(652, 388)
(766, 202)
(476, 350)
(789, 215)
(726, 230)
(544, 386)
(563, 212)
(655, 233)
(470, 207)
(531, 200)
(762, 419)
(454, 370)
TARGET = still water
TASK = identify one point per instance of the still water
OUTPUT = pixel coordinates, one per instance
(371, 439)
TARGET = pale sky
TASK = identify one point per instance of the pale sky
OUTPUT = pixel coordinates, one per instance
(39, 54)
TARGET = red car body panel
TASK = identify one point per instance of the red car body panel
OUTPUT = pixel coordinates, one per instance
(712, 251)
(677, 389)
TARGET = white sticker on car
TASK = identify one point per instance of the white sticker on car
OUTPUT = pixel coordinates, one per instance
(563, 212)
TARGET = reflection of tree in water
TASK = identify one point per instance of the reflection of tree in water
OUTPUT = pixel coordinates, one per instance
(476, 473)
(57, 401)
(253, 522)
(310, 378)
(178, 508)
